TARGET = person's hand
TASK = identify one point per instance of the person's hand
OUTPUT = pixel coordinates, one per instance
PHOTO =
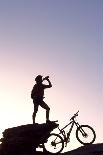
(46, 78)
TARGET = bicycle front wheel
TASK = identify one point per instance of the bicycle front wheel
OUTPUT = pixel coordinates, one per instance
(54, 144)
(85, 134)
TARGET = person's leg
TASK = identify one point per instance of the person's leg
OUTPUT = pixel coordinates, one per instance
(46, 107)
(35, 111)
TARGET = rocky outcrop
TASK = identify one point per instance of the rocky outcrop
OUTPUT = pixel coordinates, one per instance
(23, 140)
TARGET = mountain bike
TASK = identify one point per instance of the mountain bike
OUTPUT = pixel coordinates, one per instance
(85, 134)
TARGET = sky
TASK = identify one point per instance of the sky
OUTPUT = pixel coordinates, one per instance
(62, 39)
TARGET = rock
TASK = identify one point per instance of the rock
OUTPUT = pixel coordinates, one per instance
(25, 138)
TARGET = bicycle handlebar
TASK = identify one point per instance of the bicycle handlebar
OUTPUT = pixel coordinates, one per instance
(75, 115)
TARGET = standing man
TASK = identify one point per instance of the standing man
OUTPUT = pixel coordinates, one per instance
(37, 94)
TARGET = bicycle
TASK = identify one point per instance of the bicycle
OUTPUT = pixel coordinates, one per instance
(85, 134)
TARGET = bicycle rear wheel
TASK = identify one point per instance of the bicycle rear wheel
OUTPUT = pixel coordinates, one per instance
(85, 134)
(54, 144)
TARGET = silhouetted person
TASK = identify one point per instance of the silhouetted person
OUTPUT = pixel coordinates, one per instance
(37, 95)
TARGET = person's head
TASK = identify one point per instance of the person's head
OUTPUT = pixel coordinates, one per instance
(38, 79)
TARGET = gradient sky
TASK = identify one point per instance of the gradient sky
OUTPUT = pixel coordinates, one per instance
(59, 38)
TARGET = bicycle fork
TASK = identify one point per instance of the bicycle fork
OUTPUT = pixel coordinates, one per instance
(84, 134)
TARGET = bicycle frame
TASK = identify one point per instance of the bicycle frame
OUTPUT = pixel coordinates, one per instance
(66, 136)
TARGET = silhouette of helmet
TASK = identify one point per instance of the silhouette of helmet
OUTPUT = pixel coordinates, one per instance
(38, 78)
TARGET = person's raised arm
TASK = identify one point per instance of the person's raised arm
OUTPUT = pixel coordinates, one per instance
(47, 78)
